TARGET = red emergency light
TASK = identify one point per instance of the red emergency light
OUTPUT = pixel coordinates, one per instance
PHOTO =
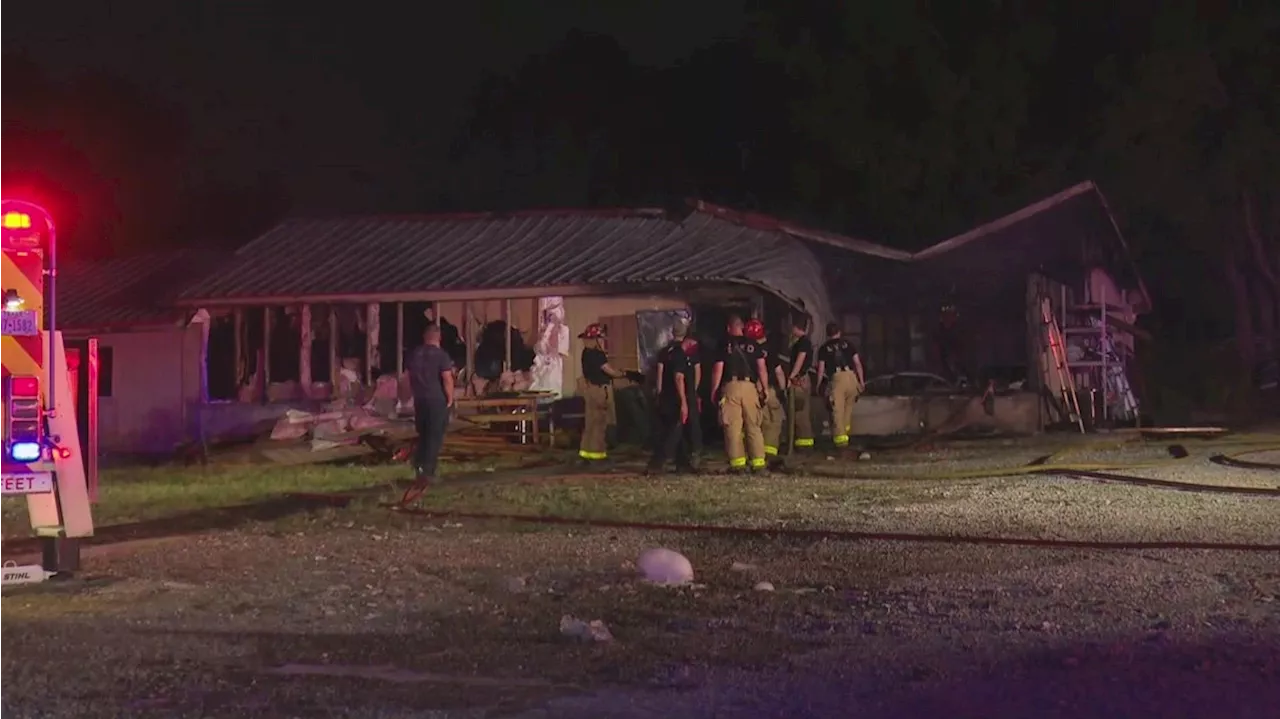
(16, 221)
(28, 387)
(24, 414)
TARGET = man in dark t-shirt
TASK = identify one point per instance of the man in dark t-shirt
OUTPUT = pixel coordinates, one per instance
(680, 424)
(431, 378)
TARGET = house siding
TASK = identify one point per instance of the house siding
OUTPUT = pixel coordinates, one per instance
(156, 375)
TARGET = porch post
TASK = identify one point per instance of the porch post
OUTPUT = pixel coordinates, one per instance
(266, 354)
(399, 338)
(333, 350)
(237, 321)
(304, 350)
(468, 336)
(372, 343)
(506, 317)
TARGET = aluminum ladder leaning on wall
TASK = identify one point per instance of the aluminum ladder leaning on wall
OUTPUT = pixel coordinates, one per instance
(1054, 353)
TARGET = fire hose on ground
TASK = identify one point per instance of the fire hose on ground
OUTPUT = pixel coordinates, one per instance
(1227, 452)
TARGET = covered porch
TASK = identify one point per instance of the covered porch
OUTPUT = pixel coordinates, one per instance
(314, 315)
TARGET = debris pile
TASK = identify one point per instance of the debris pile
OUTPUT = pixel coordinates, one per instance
(335, 427)
(359, 422)
(347, 419)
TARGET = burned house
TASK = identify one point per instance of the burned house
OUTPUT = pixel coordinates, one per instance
(210, 347)
(1044, 299)
(316, 304)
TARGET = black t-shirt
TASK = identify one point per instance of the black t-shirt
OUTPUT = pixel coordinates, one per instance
(805, 345)
(674, 362)
(427, 365)
(837, 354)
(772, 361)
(739, 356)
(593, 362)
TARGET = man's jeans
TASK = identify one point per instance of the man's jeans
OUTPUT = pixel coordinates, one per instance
(431, 418)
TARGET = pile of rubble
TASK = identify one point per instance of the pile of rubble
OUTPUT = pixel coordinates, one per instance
(351, 416)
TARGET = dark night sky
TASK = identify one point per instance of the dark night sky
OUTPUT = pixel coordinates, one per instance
(355, 107)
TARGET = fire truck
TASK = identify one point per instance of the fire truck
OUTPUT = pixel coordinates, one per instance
(45, 437)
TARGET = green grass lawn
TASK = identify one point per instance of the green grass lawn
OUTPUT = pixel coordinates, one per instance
(145, 493)
(141, 493)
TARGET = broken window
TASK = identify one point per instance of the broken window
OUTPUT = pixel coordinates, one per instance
(286, 341)
(352, 334)
(248, 372)
(391, 330)
(321, 367)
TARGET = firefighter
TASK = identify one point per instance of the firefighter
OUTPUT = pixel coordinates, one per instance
(597, 393)
(773, 415)
(738, 383)
(680, 422)
(840, 368)
(800, 385)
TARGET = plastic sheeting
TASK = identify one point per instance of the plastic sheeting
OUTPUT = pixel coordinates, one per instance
(552, 347)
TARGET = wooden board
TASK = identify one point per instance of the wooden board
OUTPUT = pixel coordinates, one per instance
(624, 341)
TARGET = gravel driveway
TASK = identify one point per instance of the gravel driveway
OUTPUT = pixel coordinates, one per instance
(363, 613)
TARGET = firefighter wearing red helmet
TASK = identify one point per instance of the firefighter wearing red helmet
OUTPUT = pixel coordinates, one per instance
(738, 384)
(772, 415)
(596, 388)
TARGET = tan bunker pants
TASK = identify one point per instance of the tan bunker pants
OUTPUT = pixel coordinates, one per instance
(740, 417)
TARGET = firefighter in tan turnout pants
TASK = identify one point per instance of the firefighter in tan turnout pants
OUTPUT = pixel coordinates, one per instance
(738, 384)
(801, 386)
(840, 368)
(596, 389)
(773, 415)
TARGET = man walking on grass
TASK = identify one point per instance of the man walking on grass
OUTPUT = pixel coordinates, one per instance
(431, 377)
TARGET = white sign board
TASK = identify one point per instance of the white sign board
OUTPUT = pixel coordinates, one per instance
(27, 574)
(22, 323)
(27, 482)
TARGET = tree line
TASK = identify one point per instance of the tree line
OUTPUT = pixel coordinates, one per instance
(909, 122)
(900, 122)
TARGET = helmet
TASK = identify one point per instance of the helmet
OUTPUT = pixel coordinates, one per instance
(594, 331)
(754, 330)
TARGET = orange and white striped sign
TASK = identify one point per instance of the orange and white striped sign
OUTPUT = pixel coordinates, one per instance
(23, 273)
(22, 338)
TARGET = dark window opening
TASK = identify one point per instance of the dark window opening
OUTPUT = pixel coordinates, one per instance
(320, 369)
(286, 343)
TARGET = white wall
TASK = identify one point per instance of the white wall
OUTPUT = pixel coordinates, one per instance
(155, 377)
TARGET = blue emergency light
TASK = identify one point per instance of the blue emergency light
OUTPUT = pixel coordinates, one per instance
(24, 431)
(25, 452)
